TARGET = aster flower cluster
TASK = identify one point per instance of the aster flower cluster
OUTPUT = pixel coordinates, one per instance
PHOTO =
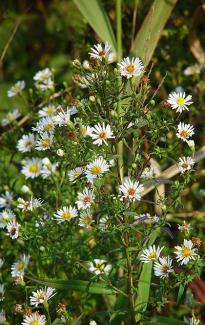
(81, 206)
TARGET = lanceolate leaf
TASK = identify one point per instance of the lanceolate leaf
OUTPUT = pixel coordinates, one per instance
(151, 29)
(96, 16)
(77, 285)
(145, 281)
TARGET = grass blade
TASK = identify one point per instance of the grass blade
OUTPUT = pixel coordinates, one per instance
(76, 285)
(96, 16)
(151, 29)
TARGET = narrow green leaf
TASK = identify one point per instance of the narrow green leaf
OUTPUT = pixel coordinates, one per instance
(151, 29)
(77, 285)
(145, 280)
(180, 292)
(96, 16)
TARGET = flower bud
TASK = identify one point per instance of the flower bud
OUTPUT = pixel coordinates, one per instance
(46, 161)
(191, 145)
(60, 152)
(25, 189)
(92, 99)
(76, 63)
(86, 64)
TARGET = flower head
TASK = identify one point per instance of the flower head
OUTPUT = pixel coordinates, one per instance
(16, 89)
(99, 267)
(96, 168)
(41, 296)
(85, 219)
(179, 101)
(32, 168)
(85, 199)
(185, 252)
(151, 254)
(48, 168)
(13, 229)
(6, 216)
(46, 124)
(65, 214)
(26, 143)
(43, 75)
(18, 268)
(131, 67)
(185, 227)
(75, 173)
(185, 163)
(163, 267)
(131, 189)
(184, 131)
(100, 52)
(101, 133)
(44, 142)
(47, 111)
(10, 117)
(6, 200)
(34, 319)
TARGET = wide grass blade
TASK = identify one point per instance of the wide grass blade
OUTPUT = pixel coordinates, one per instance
(151, 29)
(76, 285)
(96, 16)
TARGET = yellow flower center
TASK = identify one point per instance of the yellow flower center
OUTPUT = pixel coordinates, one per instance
(186, 252)
(152, 256)
(21, 266)
(49, 110)
(100, 267)
(33, 168)
(131, 191)
(45, 143)
(130, 68)
(10, 117)
(66, 215)
(184, 134)
(180, 101)
(102, 135)
(86, 220)
(49, 126)
(35, 322)
(5, 219)
(96, 170)
(41, 296)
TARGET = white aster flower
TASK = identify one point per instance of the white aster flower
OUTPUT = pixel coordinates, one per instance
(32, 168)
(151, 254)
(6, 216)
(6, 200)
(185, 163)
(179, 101)
(85, 199)
(75, 173)
(103, 223)
(185, 227)
(194, 321)
(99, 267)
(86, 130)
(2, 317)
(16, 89)
(85, 219)
(148, 172)
(44, 142)
(185, 252)
(46, 84)
(100, 52)
(146, 218)
(185, 131)
(60, 152)
(96, 168)
(163, 267)
(18, 268)
(41, 296)
(1, 292)
(43, 75)
(28, 205)
(10, 117)
(131, 189)
(13, 229)
(34, 319)
(45, 124)
(47, 111)
(193, 70)
(63, 117)
(65, 214)
(48, 168)
(101, 133)
(92, 322)
(131, 67)
(26, 143)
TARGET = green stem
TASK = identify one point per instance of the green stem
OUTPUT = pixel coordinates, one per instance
(119, 147)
